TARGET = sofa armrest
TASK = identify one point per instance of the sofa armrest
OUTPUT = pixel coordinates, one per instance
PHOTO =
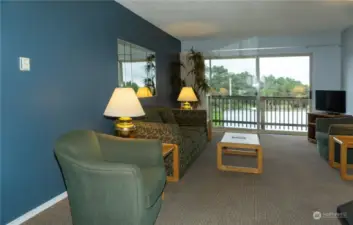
(191, 117)
(140, 152)
(167, 133)
(323, 124)
(341, 129)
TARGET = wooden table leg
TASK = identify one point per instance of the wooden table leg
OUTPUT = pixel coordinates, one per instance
(331, 151)
(343, 168)
(176, 165)
(259, 160)
(219, 156)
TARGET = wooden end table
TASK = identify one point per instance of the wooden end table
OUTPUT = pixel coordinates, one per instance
(230, 144)
(168, 149)
(346, 142)
(171, 149)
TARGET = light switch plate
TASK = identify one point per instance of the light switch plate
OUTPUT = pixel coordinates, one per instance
(25, 64)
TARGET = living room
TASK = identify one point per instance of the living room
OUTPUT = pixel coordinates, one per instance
(62, 59)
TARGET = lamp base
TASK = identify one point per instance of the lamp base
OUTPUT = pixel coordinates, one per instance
(186, 106)
(124, 126)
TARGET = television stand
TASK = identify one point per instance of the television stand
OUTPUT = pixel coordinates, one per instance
(312, 122)
(333, 113)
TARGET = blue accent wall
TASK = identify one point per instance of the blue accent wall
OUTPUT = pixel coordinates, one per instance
(72, 47)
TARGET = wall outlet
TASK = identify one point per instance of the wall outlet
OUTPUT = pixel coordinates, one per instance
(25, 64)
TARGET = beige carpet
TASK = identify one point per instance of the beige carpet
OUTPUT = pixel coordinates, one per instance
(295, 182)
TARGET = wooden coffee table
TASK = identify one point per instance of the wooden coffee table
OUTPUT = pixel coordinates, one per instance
(346, 143)
(240, 144)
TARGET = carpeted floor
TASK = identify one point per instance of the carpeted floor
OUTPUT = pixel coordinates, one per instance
(295, 183)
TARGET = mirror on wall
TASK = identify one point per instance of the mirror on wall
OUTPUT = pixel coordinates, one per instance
(137, 69)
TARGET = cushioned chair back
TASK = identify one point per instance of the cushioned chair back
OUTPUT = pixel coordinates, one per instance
(79, 145)
(152, 115)
(93, 184)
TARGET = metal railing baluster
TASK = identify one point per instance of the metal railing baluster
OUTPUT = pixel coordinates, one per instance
(277, 113)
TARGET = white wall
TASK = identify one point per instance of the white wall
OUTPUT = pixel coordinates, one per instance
(325, 49)
(347, 66)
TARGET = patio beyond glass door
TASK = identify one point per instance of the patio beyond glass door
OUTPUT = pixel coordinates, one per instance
(234, 88)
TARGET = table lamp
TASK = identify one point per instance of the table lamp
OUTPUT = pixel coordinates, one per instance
(124, 104)
(144, 92)
(187, 95)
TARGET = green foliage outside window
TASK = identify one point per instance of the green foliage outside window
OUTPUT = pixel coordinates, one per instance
(244, 84)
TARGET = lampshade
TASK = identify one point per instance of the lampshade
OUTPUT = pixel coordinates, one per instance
(144, 92)
(124, 103)
(187, 94)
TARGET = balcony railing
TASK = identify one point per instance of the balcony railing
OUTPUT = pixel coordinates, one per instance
(269, 113)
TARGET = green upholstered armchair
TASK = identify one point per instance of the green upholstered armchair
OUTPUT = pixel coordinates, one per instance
(111, 180)
(323, 131)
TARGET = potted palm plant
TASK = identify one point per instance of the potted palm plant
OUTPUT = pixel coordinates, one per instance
(149, 81)
(198, 80)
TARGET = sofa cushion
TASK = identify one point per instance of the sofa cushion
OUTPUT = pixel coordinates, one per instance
(152, 115)
(167, 116)
(167, 133)
(185, 150)
(192, 130)
(322, 144)
(153, 179)
(198, 138)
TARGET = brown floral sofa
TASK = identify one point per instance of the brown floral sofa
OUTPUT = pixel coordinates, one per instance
(185, 128)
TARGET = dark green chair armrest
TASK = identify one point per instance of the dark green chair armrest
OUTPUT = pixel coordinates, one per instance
(190, 117)
(341, 129)
(323, 124)
(167, 133)
(141, 152)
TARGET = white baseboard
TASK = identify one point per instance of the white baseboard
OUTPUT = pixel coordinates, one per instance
(38, 209)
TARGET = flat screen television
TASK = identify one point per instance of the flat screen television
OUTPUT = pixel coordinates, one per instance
(330, 101)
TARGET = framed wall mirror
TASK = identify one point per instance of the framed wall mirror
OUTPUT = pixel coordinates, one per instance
(137, 69)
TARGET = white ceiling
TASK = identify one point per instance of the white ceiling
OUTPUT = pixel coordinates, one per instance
(202, 19)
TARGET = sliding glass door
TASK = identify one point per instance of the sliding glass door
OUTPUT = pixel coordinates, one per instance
(234, 88)
(284, 92)
(268, 93)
